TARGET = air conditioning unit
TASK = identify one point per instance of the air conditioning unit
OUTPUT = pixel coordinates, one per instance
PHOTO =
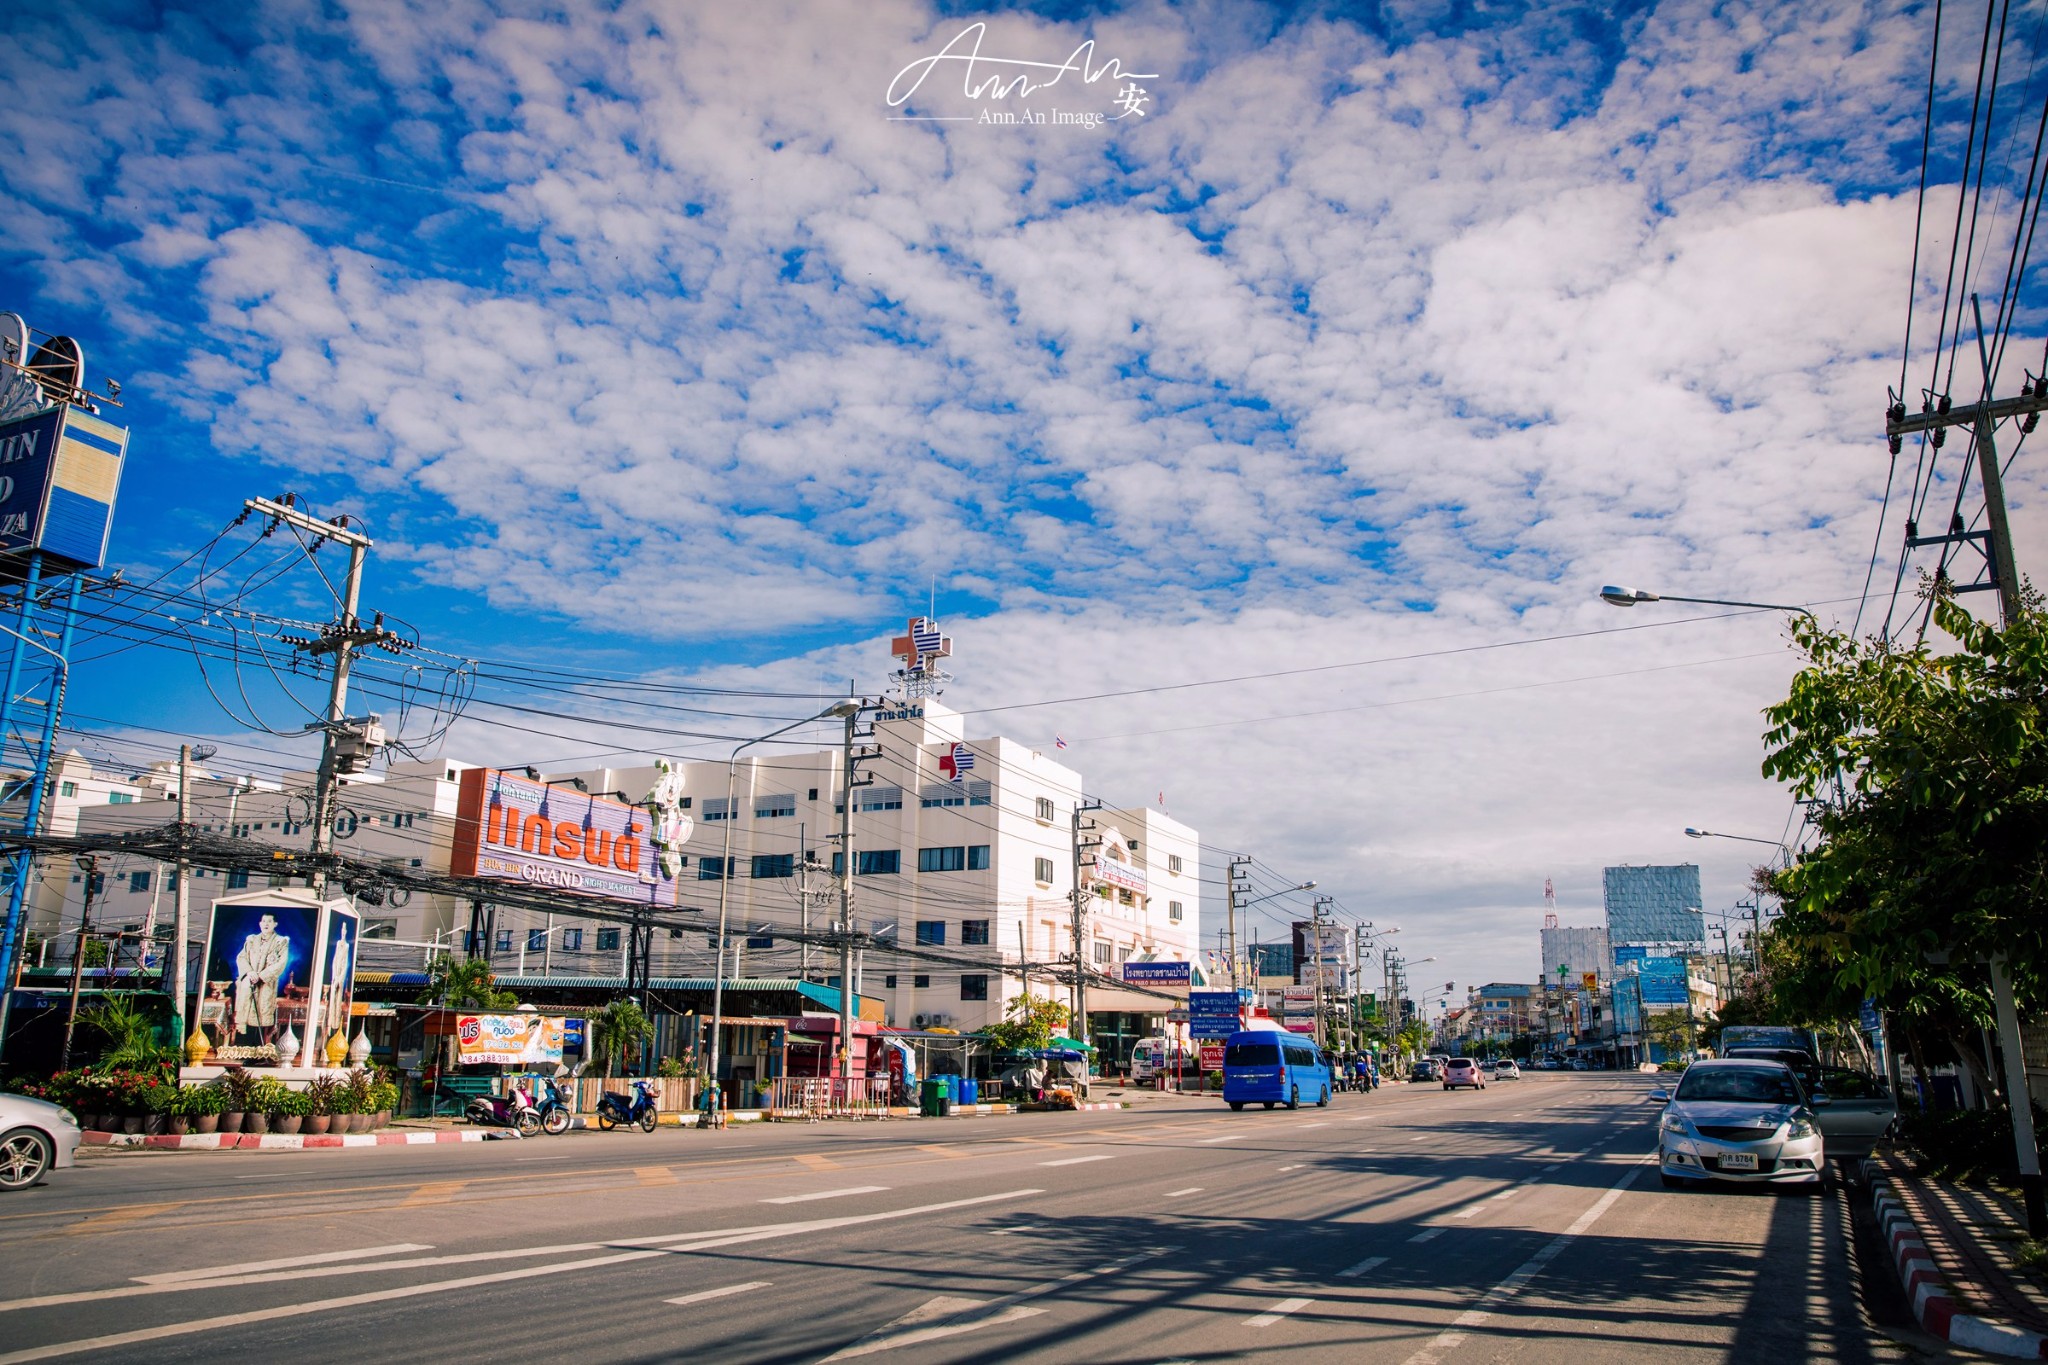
(942, 1021)
(920, 1020)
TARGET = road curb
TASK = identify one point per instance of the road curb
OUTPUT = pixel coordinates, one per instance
(1933, 1306)
(277, 1142)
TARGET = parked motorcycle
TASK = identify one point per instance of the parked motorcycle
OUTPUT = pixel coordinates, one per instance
(616, 1110)
(557, 1113)
(516, 1111)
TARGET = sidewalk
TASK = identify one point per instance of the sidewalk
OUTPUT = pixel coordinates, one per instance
(1953, 1245)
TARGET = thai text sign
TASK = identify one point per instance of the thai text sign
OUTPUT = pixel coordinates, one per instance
(510, 1039)
(510, 828)
(1171, 977)
(1212, 1014)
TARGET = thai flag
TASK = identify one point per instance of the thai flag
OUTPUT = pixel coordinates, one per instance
(956, 762)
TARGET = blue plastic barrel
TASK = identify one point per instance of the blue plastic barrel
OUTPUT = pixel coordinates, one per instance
(969, 1091)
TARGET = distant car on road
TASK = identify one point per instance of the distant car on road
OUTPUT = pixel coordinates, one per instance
(1748, 1122)
(1424, 1070)
(35, 1136)
(1463, 1071)
(1506, 1070)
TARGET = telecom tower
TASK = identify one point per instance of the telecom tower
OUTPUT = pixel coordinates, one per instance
(62, 463)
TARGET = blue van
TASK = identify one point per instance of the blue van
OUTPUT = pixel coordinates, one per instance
(1268, 1067)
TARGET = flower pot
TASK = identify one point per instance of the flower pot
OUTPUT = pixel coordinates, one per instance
(107, 1123)
(285, 1123)
(383, 1117)
(254, 1122)
(131, 1123)
(156, 1125)
(231, 1121)
(315, 1125)
(178, 1125)
(205, 1123)
(359, 1123)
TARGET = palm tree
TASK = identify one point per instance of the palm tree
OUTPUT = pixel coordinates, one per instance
(620, 1029)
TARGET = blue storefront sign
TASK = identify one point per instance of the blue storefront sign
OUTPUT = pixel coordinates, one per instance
(1663, 980)
(1212, 1014)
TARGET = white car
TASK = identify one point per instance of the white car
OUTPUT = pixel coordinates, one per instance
(35, 1135)
(1747, 1122)
(1506, 1070)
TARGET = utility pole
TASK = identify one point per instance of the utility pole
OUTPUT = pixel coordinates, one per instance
(1239, 873)
(343, 638)
(849, 762)
(1080, 916)
(1316, 921)
(92, 878)
(181, 914)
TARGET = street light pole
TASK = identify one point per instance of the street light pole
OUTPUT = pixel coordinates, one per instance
(845, 709)
(1628, 597)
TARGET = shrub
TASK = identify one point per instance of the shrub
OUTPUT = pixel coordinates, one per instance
(1960, 1144)
(267, 1096)
(322, 1094)
(237, 1088)
(287, 1103)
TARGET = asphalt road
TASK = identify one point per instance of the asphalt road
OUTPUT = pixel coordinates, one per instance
(1521, 1223)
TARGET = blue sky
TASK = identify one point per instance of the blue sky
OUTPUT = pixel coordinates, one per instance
(641, 335)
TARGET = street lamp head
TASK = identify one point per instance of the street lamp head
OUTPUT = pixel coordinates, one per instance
(841, 709)
(1306, 886)
(1692, 833)
(1625, 597)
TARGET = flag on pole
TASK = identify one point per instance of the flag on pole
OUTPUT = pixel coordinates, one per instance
(1058, 743)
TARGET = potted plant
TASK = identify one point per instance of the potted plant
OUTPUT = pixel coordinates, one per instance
(357, 1088)
(288, 1110)
(265, 1096)
(178, 1112)
(320, 1104)
(384, 1098)
(160, 1102)
(203, 1103)
(236, 1086)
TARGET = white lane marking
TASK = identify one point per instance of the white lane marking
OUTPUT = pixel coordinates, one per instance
(1277, 1312)
(1426, 1234)
(246, 1267)
(1227, 1137)
(704, 1294)
(827, 1194)
(1080, 1160)
(1370, 1263)
(1509, 1192)
(1556, 1165)
(1418, 1137)
(1306, 1126)
(1479, 1312)
(1468, 1211)
(1290, 1168)
(1175, 1194)
(1360, 1119)
(656, 1246)
(949, 1315)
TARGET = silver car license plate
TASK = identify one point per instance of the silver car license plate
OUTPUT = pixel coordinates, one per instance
(1738, 1161)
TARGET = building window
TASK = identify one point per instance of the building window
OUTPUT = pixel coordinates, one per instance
(1123, 954)
(572, 940)
(949, 859)
(1041, 870)
(138, 881)
(471, 942)
(889, 981)
(1045, 808)
(879, 798)
(718, 808)
(772, 807)
(760, 939)
(1173, 862)
(711, 869)
(879, 861)
(67, 789)
(120, 798)
(977, 857)
(771, 865)
(943, 796)
(979, 793)
(685, 803)
(1102, 953)
(237, 879)
(839, 864)
(607, 940)
(1174, 911)
(1126, 895)
(813, 796)
(973, 986)
(974, 931)
(536, 940)
(1133, 843)
(921, 981)
(380, 928)
(931, 931)
(504, 944)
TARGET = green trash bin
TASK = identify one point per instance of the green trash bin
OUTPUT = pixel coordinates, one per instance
(931, 1098)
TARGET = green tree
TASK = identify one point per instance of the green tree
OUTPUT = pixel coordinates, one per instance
(618, 1031)
(464, 984)
(1032, 1022)
(1930, 770)
(127, 1033)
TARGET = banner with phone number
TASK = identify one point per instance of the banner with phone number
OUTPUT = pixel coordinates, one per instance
(509, 1039)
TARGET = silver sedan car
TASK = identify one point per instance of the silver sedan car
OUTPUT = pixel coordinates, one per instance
(1747, 1122)
(35, 1135)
